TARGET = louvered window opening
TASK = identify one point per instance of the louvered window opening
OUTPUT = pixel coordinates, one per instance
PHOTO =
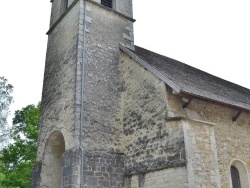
(107, 3)
(235, 177)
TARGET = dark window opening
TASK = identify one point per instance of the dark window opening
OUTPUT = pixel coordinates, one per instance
(235, 177)
(107, 3)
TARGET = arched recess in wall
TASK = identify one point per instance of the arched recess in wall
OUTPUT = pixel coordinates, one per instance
(243, 174)
(51, 175)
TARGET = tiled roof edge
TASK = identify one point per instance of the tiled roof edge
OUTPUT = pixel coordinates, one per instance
(175, 87)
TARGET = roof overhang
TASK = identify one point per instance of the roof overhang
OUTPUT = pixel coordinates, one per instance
(178, 90)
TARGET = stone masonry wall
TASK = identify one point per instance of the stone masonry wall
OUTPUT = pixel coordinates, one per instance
(99, 169)
(122, 6)
(57, 110)
(201, 153)
(233, 142)
(150, 142)
(102, 99)
(102, 137)
(62, 86)
(36, 178)
(231, 139)
(71, 168)
(103, 170)
(173, 177)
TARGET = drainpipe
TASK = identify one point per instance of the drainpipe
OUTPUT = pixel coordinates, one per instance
(82, 94)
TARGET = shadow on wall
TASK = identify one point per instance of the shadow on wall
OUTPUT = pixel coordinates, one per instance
(51, 175)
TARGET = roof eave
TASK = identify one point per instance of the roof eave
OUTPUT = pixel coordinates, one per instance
(236, 107)
(176, 89)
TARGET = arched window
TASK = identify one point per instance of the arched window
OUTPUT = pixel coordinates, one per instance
(239, 175)
(107, 3)
(235, 177)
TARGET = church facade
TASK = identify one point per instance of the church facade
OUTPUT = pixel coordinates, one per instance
(115, 115)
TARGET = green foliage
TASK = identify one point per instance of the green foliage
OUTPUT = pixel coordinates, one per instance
(5, 101)
(1, 175)
(18, 158)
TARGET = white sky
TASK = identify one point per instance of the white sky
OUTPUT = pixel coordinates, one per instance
(212, 35)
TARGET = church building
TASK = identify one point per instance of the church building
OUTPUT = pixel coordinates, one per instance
(115, 115)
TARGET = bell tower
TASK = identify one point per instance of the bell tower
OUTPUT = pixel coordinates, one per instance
(80, 138)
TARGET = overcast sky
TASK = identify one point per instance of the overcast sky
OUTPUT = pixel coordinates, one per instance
(212, 35)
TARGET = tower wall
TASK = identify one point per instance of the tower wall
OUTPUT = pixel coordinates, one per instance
(122, 6)
(103, 131)
(57, 108)
(102, 89)
(61, 100)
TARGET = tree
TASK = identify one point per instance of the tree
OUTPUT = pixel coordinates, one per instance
(5, 101)
(18, 158)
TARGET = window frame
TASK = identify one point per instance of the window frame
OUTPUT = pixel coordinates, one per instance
(107, 3)
(235, 176)
(243, 173)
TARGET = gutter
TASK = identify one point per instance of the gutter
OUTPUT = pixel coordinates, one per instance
(82, 94)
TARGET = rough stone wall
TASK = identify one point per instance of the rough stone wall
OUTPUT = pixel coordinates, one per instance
(212, 140)
(103, 158)
(60, 109)
(150, 142)
(173, 177)
(36, 178)
(213, 122)
(71, 169)
(201, 155)
(102, 109)
(57, 110)
(233, 142)
(99, 169)
(232, 138)
(103, 169)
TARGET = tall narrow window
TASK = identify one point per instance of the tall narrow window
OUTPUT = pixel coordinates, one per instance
(107, 3)
(235, 177)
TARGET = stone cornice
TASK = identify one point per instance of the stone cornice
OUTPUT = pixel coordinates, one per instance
(61, 17)
(180, 118)
(154, 166)
(95, 3)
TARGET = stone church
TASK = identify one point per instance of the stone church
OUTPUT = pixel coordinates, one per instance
(115, 115)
